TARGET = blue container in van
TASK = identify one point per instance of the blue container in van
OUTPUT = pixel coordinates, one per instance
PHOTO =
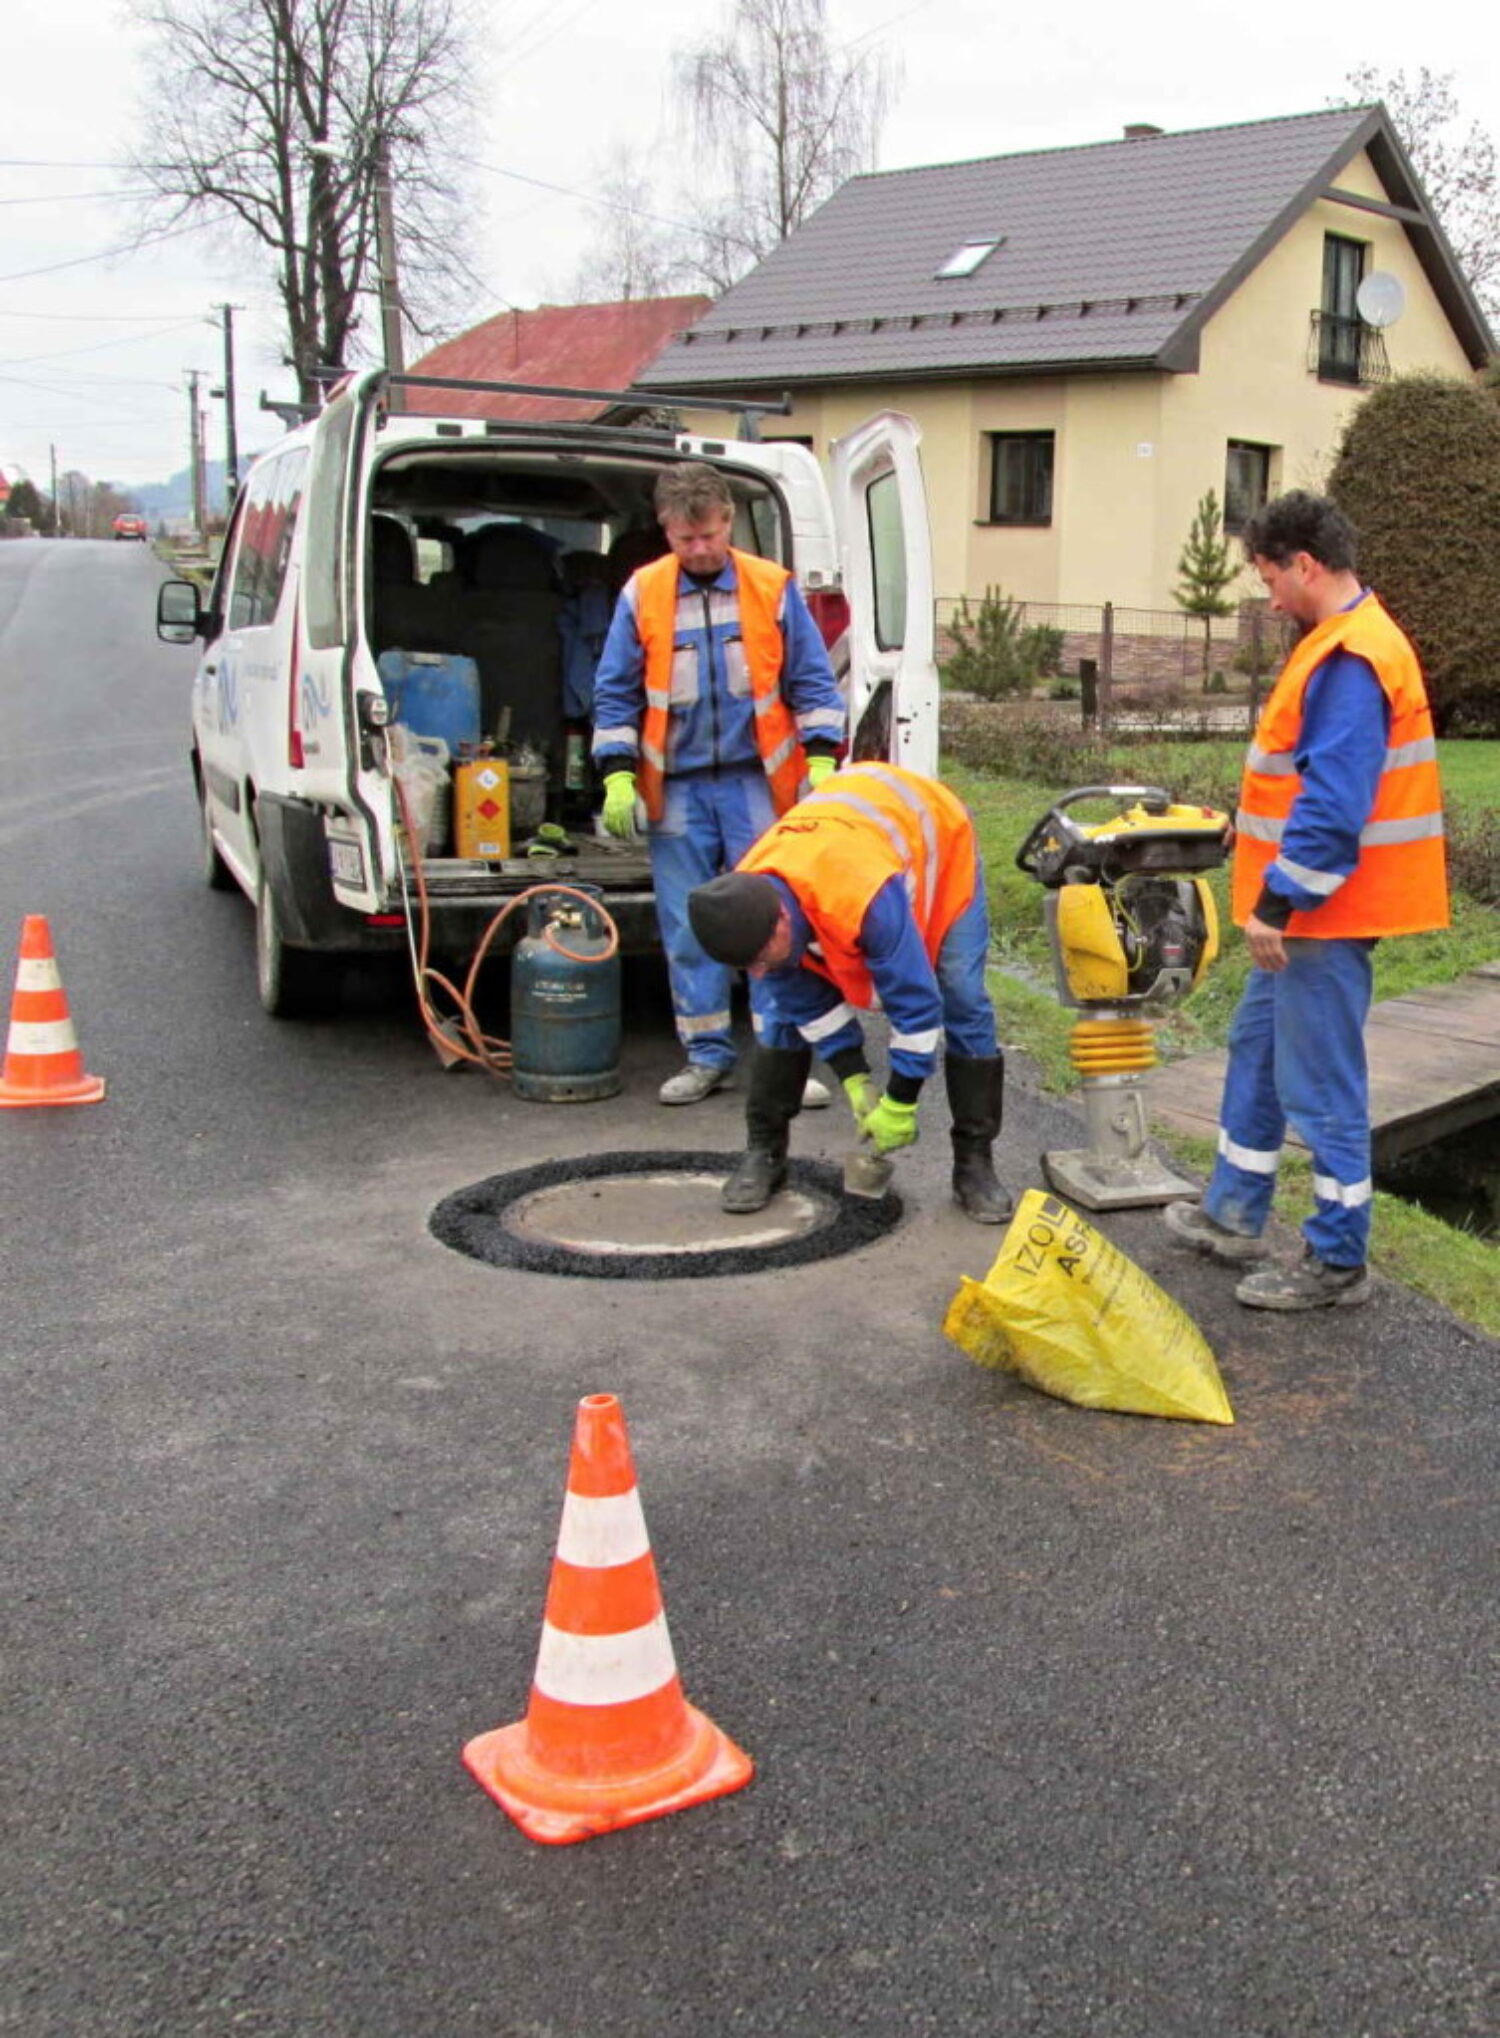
(433, 693)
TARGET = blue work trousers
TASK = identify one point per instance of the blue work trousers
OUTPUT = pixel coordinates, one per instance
(708, 823)
(1297, 1056)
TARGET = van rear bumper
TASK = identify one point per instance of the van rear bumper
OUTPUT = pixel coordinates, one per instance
(458, 922)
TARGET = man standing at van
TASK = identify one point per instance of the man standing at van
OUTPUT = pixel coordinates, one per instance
(716, 706)
(1338, 843)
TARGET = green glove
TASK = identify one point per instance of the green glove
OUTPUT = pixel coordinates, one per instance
(863, 1096)
(890, 1125)
(619, 804)
(819, 768)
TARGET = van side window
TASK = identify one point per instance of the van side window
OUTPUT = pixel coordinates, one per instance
(250, 561)
(324, 574)
(269, 521)
(281, 528)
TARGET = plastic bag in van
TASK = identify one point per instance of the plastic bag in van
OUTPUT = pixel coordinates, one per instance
(421, 765)
(1071, 1315)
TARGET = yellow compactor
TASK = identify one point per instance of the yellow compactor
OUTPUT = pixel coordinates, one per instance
(1133, 928)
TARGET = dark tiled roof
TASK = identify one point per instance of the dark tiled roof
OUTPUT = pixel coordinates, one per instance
(1111, 253)
(572, 346)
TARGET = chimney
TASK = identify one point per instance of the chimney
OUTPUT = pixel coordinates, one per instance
(1139, 130)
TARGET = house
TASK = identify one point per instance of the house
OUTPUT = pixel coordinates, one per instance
(1091, 338)
(572, 346)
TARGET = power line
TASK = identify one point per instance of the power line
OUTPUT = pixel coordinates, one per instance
(77, 197)
(96, 346)
(106, 254)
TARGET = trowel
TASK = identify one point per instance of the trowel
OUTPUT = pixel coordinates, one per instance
(868, 1172)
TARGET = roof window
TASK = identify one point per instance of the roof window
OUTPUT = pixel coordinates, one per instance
(966, 259)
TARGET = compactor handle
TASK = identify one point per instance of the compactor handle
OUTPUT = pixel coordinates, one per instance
(1056, 841)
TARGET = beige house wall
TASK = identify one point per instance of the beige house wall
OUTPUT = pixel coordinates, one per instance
(1136, 451)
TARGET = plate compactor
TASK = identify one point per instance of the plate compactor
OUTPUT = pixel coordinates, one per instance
(1133, 928)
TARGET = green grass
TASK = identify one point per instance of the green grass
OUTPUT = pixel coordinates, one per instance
(1452, 1267)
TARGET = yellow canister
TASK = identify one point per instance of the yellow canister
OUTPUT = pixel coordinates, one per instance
(481, 808)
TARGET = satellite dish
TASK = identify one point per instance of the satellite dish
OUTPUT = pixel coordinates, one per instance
(1380, 299)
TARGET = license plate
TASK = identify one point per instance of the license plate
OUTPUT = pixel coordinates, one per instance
(346, 860)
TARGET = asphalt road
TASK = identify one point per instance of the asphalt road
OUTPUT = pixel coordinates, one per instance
(1065, 1723)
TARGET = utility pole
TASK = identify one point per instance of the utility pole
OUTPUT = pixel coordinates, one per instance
(195, 451)
(231, 440)
(385, 247)
(56, 507)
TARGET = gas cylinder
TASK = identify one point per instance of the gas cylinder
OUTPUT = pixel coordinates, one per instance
(564, 1002)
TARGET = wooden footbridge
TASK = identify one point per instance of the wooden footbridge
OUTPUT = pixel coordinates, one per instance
(1434, 1069)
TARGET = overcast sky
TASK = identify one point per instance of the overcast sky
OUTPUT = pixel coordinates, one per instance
(92, 352)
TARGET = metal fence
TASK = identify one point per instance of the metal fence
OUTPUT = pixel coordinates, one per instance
(1158, 653)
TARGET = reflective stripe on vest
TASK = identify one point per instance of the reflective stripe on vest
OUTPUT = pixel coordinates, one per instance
(1399, 885)
(863, 826)
(760, 584)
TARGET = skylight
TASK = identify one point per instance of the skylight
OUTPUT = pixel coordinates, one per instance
(968, 257)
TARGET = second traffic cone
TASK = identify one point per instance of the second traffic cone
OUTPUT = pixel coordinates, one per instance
(608, 1738)
(42, 1062)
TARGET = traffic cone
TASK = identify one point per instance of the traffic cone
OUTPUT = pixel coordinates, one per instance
(608, 1739)
(42, 1062)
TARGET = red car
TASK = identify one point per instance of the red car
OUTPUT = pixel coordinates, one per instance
(129, 525)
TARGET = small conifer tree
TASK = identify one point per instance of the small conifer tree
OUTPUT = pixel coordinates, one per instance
(1207, 565)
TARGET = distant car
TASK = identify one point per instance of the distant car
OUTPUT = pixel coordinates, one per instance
(131, 526)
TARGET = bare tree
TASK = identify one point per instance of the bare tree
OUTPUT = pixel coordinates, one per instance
(786, 115)
(634, 252)
(1457, 165)
(280, 117)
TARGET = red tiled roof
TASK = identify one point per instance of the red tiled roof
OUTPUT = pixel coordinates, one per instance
(572, 346)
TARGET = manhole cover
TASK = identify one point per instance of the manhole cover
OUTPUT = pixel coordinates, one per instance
(654, 1216)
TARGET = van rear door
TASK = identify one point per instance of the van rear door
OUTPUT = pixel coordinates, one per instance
(331, 752)
(885, 545)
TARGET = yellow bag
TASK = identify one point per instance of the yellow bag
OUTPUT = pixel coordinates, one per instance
(1070, 1314)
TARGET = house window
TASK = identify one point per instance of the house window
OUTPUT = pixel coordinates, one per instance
(1021, 478)
(1247, 483)
(1339, 323)
(966, 258)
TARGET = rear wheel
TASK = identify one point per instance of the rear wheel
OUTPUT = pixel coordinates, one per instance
(294, 983)
(216, 872)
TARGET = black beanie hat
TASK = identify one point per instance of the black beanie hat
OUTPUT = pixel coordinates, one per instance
(734, 916)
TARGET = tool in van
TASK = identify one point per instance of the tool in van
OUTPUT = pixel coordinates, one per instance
(1133, 929)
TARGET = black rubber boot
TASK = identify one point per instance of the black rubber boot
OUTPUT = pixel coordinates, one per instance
(777, 1077)
(976, 1097)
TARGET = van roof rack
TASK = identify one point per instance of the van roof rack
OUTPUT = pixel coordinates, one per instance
(637, 399)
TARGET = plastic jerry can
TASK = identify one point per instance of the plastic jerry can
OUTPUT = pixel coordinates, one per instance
(481, 808)
(433, 693)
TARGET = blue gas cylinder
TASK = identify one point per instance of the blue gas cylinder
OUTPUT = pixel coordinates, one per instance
(564, 1002)
(433, 693)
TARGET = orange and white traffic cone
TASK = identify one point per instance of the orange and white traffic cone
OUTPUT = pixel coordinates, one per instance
(42, 1062)
(608, 1739)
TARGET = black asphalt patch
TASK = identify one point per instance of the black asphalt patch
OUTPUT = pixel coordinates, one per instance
(472, 1221)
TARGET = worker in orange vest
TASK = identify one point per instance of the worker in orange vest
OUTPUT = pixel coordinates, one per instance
(715, 708)
(869, 888)
(1338, 843)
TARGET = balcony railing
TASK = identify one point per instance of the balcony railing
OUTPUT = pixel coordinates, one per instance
(1343, 349)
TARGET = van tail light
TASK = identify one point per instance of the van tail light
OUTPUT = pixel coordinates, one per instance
(829, 609)
(294, 752)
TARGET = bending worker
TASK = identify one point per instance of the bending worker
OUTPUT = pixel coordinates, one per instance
(1338, 843)
(716, 704)
(870, 887)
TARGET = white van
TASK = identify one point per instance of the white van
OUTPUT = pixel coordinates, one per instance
(371, 537)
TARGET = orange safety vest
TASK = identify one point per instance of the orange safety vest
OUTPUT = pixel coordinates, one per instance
(1399, 885)
(836, 848)
(760, 583)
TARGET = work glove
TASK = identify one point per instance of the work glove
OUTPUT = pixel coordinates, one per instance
(863, 1096)
(890, 1125)
(819, 768)
(619, 804)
